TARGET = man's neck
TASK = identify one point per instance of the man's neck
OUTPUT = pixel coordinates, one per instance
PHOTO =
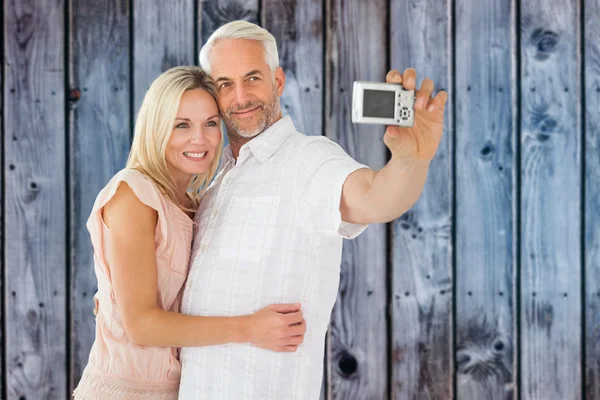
(238, 141)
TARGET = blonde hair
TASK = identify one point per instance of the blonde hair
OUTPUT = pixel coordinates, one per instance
(153, 127)
(242, 30)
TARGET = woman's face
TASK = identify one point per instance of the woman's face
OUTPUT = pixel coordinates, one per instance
(196, 135)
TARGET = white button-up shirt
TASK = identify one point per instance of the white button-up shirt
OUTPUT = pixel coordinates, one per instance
(269, 231)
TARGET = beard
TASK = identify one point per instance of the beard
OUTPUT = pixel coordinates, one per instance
(268, 113)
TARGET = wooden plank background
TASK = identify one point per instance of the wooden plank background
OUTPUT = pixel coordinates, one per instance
(421, 329)
(485, 199)
(551, 310)
(488, 288)
(36, 220)
(591, 155)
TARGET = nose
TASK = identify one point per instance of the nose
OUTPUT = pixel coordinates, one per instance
(198, 136)
(241, 95)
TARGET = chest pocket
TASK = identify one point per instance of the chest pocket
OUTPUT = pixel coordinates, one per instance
(249, 227)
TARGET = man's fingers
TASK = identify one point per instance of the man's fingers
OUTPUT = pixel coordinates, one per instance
(296, 340)
(285, 308)
(410, 79)
(438, 102)
(290, 349)
(296, 330)
(293, 318)
(423, 94)
(393, 77)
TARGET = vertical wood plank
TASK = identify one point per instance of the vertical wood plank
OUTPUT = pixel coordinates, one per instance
(592, 197)
(421, 296)
(551, 200)
(2, 216)
(356, 50)
(485, 198)
(36, 248)
(214, 13)
(163, 37)
(298, 29)
(100, 130)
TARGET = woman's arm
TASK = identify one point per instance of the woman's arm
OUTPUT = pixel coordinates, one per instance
(132, 261)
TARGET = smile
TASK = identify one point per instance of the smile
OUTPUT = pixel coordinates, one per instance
(194, 156)
(246, 112)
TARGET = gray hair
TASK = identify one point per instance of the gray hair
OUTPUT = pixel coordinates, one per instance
(242, 30)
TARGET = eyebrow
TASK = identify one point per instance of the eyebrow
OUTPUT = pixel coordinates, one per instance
(189, 120)
(253, 72)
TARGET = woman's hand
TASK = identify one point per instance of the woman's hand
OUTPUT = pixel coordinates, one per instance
(278, 327)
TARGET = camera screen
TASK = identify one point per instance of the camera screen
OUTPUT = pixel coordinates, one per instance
(379, 103)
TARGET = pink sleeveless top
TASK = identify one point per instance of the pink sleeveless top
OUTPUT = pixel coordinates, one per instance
(117, 368)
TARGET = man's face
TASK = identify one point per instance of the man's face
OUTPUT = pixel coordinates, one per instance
(248, 92)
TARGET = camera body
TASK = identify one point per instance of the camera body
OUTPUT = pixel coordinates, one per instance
(382, 103)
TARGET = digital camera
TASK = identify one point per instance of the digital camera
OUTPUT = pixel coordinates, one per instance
(382, 103)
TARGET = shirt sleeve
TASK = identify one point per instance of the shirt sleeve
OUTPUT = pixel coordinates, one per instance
(322, 171)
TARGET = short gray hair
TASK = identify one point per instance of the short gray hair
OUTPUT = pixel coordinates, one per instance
(242, 30)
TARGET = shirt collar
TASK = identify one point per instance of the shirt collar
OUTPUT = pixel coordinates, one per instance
(264, 145)
(227, 155)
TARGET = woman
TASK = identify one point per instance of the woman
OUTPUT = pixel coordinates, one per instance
(141, 229)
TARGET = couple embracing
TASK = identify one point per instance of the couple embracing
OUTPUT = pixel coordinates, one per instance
(218, 269)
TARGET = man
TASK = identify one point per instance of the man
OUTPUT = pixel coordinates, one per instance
(270, 227)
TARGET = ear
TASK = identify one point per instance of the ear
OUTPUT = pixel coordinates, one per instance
(279, 80)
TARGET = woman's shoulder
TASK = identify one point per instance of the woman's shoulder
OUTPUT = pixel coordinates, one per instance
(130, 174)
(138, 186)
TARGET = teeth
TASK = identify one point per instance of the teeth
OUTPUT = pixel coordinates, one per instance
(194, 155)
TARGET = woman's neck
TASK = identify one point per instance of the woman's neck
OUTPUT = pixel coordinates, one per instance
(182, 182)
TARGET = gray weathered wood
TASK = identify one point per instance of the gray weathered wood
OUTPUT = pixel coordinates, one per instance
(214, 13)
(550, 201)
(356, 50)
(421, 296)
(298, 29)
(35, 246)
(163, 37)
(485, 199)
(2, 236)
(100, 131)
(592, 198)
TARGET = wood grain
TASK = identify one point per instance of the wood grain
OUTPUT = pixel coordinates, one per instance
(592, 198)
(298, 29)
(550, 228)
(2, 236)
(99, 133)
(485, 199)
(214, 13)
(356, 50)
(421, 356)
(163, 37)
(35, 244)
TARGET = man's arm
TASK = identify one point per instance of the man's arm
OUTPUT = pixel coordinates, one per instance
(134, 277)
(372, 197)
(381, 196)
